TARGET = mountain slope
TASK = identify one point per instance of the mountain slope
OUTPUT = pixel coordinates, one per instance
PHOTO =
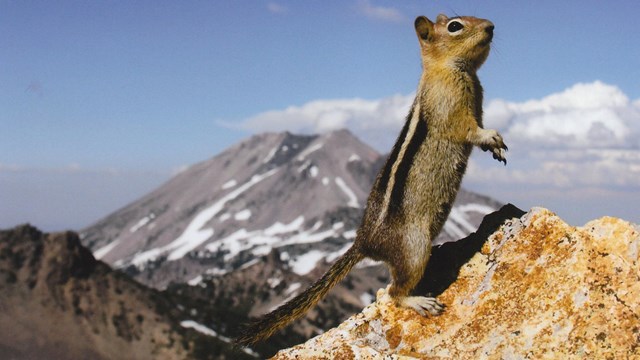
(58, 302)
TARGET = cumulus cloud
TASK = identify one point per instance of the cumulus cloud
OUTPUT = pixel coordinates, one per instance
(383, 13)
(583, 116)
(584, 136)
(562, 169)
(372, 120)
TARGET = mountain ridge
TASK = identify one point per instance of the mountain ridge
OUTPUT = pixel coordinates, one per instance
(59, 302)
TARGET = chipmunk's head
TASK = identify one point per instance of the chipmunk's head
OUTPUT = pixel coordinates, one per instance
(461, 41)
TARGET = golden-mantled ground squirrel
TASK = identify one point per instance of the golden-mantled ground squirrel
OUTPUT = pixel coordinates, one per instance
(413, 194)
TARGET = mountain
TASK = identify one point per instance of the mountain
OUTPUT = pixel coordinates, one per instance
(246, 230)
(301, 195)
(59, 302)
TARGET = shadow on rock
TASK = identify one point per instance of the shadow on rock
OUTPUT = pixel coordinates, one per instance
(446, 260)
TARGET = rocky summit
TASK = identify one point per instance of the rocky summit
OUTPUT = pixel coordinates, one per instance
(523, 287)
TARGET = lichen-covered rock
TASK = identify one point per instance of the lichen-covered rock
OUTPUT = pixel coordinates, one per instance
(537, 289)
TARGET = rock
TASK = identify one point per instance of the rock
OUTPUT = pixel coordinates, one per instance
(536, 288)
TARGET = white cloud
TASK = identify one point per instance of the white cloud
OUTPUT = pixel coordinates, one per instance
(583, 116)
(366, 8)
(370, 119)
(276, 8)
(585, 136)
(561, 168)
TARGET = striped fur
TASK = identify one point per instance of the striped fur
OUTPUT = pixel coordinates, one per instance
(392, 180)
(414, 191)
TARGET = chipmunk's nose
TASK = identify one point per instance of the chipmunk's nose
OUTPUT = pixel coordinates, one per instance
(489, 30)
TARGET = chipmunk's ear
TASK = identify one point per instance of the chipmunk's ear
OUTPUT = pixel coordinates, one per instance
(424, 29)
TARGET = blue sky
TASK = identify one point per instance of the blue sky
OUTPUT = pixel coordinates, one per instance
(103, 100)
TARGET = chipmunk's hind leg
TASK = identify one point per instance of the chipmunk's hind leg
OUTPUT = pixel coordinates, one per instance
(407, 272)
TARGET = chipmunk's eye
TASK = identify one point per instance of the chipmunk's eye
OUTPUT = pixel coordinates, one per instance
(455, 26)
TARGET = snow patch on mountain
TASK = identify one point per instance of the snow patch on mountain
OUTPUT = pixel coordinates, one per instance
(270, 155)
(280, 228)
(195, 281)
(144, 221)
(304, 166)
(292, 288)
(309, 150)
(261, 242)
(333, 256)
(350, 234)
(307, 262)
(354, 157)
(479, 208)
(195, 234)
(458, 217)
(459, 225)
(353, 200)
(242, 215)
(274, 281)
(190, 324)
(249, 264)
(229, 184)
(100, 253)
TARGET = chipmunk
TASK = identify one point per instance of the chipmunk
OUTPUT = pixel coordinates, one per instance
(413, 193)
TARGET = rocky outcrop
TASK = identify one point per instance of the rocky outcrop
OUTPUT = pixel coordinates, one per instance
(534, 288)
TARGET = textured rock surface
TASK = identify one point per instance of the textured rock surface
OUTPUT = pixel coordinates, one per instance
(537, 288)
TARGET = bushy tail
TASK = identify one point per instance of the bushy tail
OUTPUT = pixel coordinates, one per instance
(262, 328)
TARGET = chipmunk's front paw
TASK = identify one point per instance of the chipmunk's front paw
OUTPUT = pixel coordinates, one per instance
(491, 140)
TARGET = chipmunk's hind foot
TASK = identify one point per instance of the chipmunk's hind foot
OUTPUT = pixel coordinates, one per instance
(423, 305)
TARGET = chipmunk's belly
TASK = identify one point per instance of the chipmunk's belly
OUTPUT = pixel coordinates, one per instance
(434, 181)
